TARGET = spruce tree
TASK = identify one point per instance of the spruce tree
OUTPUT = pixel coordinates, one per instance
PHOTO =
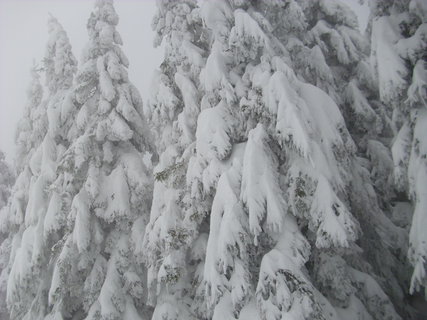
(30, 271)
(7, 178)
(336, 59)
(274, 154)
(327, 50)
(398, 53)
(20, 227)
(105, 181)
(173, 263)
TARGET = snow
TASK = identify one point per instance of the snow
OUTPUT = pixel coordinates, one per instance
(228, 229)
(339, 12)
(21, 274)
(54, 219)
(114, 197)
(193, 53)
(400, 150)
(390, 68)
(214, 75)
(417, 89)
(418, 176)
(246, 30)
(105, 82)
(291, 115)
(260, 189)
(81, 232)
(216, 16)
(130, 312)
(249, 312)
(187, 119)
(81, 150)
(116, 128)
(36, 207)
(334, 223)
(48, 165)
(359, 103)
(111, 298)
(377, 302)
(355, 311)
(413, 47)
(280, 279)
(212, 135)
(114, 68)
(256, 200)
(60, 62)
(127, 110)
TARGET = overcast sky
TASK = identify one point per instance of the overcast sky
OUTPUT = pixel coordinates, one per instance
(23, 37)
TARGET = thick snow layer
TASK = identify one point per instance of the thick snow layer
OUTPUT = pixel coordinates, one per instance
(213, 133)
(418, 189)
(227, 235)
(215, 75)
(111, 297)
(378, 303)
(247, 31)
(334, 223)
(282, 290)
(260, 188)
(81, 232)
(216, 16)
(54, 218)
(390, 67)
(37, 203)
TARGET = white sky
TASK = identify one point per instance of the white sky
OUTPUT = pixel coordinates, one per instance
(23, 37)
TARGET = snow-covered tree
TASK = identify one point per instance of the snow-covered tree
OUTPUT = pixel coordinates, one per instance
(273, 168)
(398, 54)
(327, 50)
(104, 186)
(60, 66)
(7, 179)
(332, 29)
(173, 109)
(261, 186)
(29, 136)
(30, 271)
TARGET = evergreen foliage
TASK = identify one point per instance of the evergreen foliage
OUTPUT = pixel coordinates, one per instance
(270, 175)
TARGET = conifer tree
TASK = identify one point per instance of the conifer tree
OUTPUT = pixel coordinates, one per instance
(326, 49)
(29, 278)
(275, 156)
(173, 109)
(7, 178)
(20, 231)
(398, 53)
(260, 187)
(336, 59)
(105, 184)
